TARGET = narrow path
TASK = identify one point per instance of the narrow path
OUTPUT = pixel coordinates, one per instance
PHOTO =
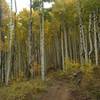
(57, 92)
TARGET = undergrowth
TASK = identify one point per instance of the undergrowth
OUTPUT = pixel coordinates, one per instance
(23, 90)
(28, 90)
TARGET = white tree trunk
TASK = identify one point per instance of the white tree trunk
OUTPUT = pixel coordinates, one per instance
(62, 51)
(0, 29)
(57, 50)
(10, 46)
(95, 39)
(65, 42)
(42, 45)
(30, 35)
(90, 40)
(82, 34)
(81, 40)
(30, 41)
(15, 41)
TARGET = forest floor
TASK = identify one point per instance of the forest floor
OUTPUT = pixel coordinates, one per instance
(57, 86)
(62, 89)
(59, 91)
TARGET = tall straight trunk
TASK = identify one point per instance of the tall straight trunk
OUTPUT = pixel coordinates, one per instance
(0, 33)
(65, 42)
(65, 37)
(75, 51)
(82, 35)
(55, 54)
(2, 41)
(98, 25)
(69, 46)
(62, 50)
(71, 49)
(57, 50)
(15, 41)
(30, 35)
(10, 47)
(95, 38)
(98, 30)
(90, 40)
(81, 41)
(42, 44)
(81, 49)
(30, 42)
(85, 47)
(19, 59)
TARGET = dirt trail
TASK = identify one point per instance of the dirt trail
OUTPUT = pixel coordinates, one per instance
(57, 92)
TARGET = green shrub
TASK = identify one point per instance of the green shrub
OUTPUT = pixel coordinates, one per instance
(71, 67)
(18, 91)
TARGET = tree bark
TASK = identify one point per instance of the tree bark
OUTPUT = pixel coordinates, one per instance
(95, 38)
(62, 50)
(10, 47)
(65, 42)
(42, 44)
(83, 44)
(0, 33)
(90, 40)
(30, 42)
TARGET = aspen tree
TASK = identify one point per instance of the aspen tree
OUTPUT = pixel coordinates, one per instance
(95, 37)
(10, 45)
(42, 42)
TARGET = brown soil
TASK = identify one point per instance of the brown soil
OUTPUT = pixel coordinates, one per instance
(56, 92)
(61, 91)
